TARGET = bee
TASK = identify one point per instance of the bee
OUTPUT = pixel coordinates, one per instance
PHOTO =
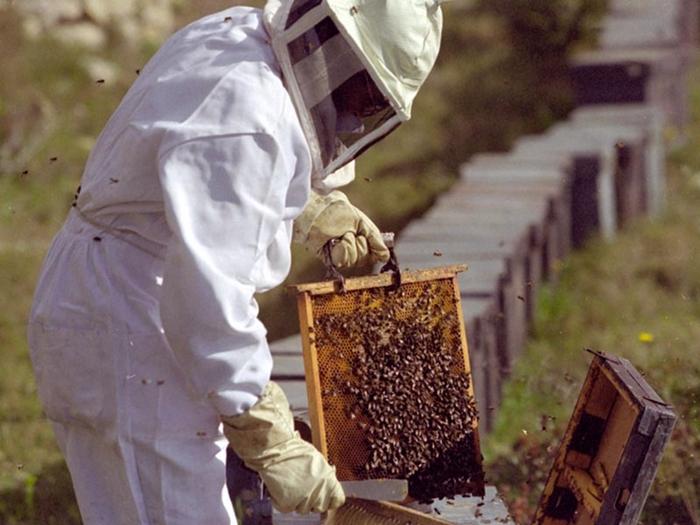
(100, 81)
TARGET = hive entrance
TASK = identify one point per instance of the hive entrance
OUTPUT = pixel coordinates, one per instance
(390, 393)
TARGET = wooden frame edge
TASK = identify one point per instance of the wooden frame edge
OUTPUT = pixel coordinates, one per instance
(311, 372)
(379, 280)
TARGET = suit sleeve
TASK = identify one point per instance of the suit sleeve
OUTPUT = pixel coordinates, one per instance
(225, 204)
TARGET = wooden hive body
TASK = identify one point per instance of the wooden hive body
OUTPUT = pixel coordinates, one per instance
(611, 449)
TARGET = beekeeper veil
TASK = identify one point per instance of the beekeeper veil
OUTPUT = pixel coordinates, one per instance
(352, 68)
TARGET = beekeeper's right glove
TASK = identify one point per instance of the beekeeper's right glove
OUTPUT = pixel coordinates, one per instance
(296, 475)
(354, 238)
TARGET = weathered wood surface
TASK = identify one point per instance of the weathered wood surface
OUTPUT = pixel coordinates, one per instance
(611, 447)
(296, 393)
(607, 146)
(593, 187)
(642, 30)
(650, 23)
(288, 346)
(489, 510)
(628, 144)
(651, 121)
(484, 331)
(551, 187)
(380, 280)
(634, 75)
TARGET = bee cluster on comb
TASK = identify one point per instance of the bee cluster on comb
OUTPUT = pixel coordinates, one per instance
(397, 387)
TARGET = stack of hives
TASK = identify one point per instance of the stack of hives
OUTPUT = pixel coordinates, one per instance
(646, 48)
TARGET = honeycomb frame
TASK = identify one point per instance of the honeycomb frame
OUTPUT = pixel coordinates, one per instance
(336, 431)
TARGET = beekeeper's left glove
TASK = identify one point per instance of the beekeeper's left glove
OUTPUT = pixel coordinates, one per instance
(296, 475)
(354, 237)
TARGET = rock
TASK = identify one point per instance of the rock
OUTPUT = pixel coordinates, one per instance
(85, 34)
(98, 68)
(157, 18)
(32, 27)
(104, 11)
(87, 22)
(50, 12)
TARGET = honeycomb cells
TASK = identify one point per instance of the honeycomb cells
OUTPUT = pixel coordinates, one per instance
(395, 387)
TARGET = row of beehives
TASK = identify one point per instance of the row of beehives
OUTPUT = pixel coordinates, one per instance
(512, 216)
(646, 48)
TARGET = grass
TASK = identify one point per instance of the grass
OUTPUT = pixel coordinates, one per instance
(638, 297)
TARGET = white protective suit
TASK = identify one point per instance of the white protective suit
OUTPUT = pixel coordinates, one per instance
(185, 212)
(144, 328)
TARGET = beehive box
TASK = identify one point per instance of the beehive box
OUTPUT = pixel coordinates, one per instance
(482, 325)
(509, 174)
(389, 381)
(654, 76)
(651, 121)
(629, 146)
(611, 449)
(592, 186)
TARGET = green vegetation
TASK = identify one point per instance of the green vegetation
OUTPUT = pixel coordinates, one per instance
(639, 298)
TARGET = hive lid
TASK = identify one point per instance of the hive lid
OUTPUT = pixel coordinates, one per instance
(611, 449)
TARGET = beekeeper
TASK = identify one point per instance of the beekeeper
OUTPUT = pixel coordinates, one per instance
(144, 332)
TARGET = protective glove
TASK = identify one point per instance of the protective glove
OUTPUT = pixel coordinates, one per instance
(355, 238)
(296, 475)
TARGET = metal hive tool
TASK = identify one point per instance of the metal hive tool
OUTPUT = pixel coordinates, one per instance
(365, 323)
